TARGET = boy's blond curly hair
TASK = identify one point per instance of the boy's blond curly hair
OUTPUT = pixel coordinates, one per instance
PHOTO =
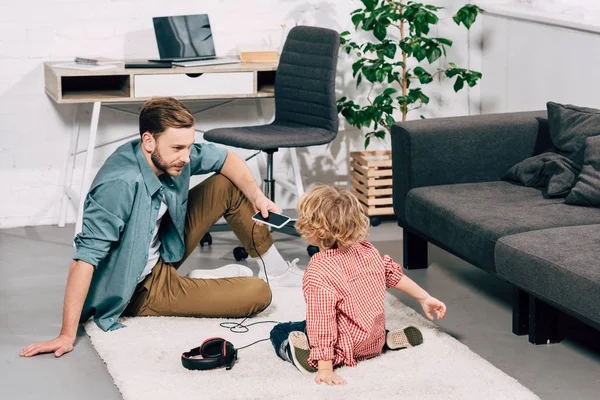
(332, 216)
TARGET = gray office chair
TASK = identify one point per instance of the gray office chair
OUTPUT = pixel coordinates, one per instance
(305, 102)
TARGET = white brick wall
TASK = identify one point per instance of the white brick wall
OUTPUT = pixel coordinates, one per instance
(35, 132)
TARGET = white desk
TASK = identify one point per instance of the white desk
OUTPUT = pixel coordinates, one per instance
(120, 85)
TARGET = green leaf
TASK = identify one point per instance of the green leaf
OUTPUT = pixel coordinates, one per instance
(420, 53)
(451, 72)
(358, 80)
(423, 75)
(368, 23)
(389, 120)
(434, 54)
(452, 65)
(369, 73)
(370, 4)
(390, 50)
(447, 42)
(432, 19)
(380, 31)
(380, 134)
(389, 91)
(356, 67)
(367, 141)
(414, 95)
(406, 47)
(467, 15)
(459, 84)
(357, 18)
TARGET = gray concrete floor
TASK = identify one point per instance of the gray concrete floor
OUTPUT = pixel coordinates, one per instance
(34, 265)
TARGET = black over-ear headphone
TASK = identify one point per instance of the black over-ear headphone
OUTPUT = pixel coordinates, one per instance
(215, 352)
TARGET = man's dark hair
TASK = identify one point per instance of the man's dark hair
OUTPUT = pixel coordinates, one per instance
(160, 113)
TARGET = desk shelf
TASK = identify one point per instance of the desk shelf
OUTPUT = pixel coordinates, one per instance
(117, 85)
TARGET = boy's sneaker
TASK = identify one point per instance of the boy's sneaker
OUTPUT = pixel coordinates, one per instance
(300, 350)
(404, 338)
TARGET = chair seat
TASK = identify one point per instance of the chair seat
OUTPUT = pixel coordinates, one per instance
(272, 136)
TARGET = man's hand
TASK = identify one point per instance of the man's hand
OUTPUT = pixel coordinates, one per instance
(59, 346)
(264, 205)
(432, 305)
(329, 377)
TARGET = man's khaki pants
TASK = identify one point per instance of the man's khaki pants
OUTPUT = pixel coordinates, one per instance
(164, 292)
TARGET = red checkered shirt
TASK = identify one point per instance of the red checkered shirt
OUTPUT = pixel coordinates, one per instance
(344, 291)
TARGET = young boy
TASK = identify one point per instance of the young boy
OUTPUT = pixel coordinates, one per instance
(344, 288)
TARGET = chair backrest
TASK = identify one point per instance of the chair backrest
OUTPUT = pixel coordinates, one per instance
(305, 79)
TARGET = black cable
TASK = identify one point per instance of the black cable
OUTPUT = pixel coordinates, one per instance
(239, 327)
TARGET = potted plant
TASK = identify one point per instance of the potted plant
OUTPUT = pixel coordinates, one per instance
(396, 66)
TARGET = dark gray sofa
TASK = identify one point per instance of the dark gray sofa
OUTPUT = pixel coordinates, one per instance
(448, 190)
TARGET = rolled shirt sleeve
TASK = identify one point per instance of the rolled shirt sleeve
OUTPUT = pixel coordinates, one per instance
(206, 157)
(321, 323)
(393, 271)
(107, 208)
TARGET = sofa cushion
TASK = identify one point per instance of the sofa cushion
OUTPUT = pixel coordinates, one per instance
(554, 173)
(469, 218)
(569, 127)
(559, 264)
(587, 189)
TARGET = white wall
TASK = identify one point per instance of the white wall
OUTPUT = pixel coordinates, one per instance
(539, 51)
(35, 131)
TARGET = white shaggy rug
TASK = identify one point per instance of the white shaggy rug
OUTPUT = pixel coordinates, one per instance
(144, 360)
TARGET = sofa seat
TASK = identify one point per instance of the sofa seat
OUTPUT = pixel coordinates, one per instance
(469, 218)
(561, 265)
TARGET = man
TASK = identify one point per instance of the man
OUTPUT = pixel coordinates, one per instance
(141, 222)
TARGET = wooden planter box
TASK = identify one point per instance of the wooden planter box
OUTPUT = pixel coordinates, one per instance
(372, 181)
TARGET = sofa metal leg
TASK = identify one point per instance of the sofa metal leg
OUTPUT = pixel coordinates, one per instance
(520, 303)
(544, 322)
(415, 251)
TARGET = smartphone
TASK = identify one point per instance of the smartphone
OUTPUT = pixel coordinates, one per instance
(275, 220)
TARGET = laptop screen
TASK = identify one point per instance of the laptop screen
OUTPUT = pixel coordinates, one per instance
(184, 36)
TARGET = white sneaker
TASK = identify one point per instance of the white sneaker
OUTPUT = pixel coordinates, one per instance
(292, 277)
(228, 271)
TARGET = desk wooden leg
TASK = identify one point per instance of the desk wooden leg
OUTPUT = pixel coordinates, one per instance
(89, 157)
(66, 179)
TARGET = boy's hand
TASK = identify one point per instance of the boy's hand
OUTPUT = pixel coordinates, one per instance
(432, 305)
(329, 377)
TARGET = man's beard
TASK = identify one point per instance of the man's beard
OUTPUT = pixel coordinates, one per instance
(159, 163)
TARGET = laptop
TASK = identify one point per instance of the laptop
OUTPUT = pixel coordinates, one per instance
(187, 40)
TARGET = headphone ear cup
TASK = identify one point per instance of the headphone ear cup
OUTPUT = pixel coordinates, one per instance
(213, 348)
(229, 347)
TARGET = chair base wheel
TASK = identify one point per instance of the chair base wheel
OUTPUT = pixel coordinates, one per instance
(240, 253)
(207, 238)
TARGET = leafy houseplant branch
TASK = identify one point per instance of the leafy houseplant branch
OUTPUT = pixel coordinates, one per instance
(393, 85)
